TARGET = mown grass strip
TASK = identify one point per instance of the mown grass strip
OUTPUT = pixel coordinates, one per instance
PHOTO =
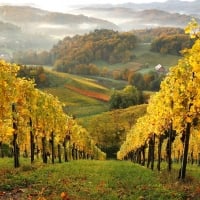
(93, 180)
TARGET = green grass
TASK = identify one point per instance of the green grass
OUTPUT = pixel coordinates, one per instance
(77, 104)
(94, 180)
(62, 79)
(110, 83)
(83, 106)
(111, 119)
(144, 55)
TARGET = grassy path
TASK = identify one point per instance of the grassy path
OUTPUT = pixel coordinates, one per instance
(93, 180)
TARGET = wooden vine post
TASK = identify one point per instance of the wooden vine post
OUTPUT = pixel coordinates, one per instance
(185, 152)
(32, 140)
(15, 145)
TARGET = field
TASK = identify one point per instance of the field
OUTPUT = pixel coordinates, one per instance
(88, 96)
(95, 180)
(143, 56)
(65, 87)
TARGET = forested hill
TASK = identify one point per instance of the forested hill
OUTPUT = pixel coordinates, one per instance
(81, 54)
(165, 40)
(107, 45)
(52, 24)
(150, 34)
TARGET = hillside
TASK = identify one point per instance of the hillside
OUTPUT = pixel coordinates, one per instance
(109, 129)
(173, 6)
(130, 16)
(41, 29)
(8, 31)
(100, 52)
(127, 97)
(26, 28)
(76, 103)
(92, 180)
(72, 54)
(53, 25)
(149, 35)
(155, 18)
(78, 92)
(95, 179)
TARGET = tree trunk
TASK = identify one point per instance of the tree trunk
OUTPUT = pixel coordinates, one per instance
(32, 146)
(15, 145)
(192, 157)
(15, 151)
(139, 156)
(37, 147)
(169, 149)
(65, 150)
(143, 155)
(76, 153)
(149, 154)
(73, 152)
(160, 142)
(32, 142)
(152, 152)
(185, 152)
(52, 148)
(59, 153)
(44, 153)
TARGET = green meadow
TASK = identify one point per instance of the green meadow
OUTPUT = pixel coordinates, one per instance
(95, 180)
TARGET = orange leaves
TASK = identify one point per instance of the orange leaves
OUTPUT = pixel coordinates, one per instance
(2, 193)
(41, 198)
(64, 196)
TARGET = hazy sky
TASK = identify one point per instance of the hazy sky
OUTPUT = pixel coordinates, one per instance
(62, 5)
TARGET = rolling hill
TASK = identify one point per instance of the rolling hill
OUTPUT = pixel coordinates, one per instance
(37, 29)
(130, 17)
(81, 96)
(54, 24)
(40, 29)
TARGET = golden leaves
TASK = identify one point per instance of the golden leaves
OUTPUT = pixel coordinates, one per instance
(193, 29)
(44, 110)
(178, 99)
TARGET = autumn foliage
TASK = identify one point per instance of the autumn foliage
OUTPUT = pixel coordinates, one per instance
(31, 118)
(172, 115)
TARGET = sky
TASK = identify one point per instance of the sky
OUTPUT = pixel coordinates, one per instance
(63, 5)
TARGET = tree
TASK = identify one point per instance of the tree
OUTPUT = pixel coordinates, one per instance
(124, 98)
(175, 109)
(107, 45)
(31, 119)
(138, 81)
(172, 44)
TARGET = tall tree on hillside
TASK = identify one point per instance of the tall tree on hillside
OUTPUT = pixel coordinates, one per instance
(124, 98)
(137, 80)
